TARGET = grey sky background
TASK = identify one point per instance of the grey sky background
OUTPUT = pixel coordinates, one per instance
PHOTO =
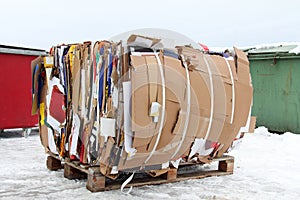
(43, 23)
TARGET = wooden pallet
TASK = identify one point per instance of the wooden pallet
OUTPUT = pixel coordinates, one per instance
(97, 182)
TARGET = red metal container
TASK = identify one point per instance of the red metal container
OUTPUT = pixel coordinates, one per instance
(15, 87)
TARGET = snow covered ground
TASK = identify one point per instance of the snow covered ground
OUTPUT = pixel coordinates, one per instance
(266, 167)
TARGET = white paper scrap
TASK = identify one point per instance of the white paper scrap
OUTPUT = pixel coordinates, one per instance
(165, 165)
(51, 142)
(154, 111)
(75, 134)
(107, 127)
(199, 147)
(176, 163)
(54, 123)
(115, 97)
(48, 61)
(127, 119)
(139, 41)
(245, 129)
(114, 170)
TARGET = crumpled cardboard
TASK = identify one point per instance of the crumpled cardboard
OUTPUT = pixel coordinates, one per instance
(178, 98)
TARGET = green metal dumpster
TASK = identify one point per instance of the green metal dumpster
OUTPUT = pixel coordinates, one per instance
(275, 75)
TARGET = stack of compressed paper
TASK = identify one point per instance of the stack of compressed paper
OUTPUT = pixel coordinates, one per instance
(140, 106)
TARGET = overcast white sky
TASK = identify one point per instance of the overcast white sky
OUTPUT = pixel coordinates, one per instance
(43, 23)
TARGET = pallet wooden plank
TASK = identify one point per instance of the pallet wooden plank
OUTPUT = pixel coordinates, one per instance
(96, 182)
(225, 157)
(158, 180)
(78, 167)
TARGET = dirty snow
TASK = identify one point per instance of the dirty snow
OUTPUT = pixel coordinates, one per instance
(266, 167)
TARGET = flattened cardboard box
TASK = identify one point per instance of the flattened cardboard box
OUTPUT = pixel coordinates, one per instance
(220, 102)
(221, 79)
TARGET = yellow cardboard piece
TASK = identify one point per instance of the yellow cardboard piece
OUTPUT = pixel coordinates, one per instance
(42, 113)
(48, 61)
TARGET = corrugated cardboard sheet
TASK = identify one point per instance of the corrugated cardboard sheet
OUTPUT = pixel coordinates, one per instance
(175, 99)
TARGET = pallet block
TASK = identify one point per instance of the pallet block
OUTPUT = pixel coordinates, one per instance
(226, 165)
(95, 183)
(70, 172)
(53, 164)
(171, 175)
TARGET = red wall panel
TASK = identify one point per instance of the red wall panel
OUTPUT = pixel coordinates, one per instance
(15, 91)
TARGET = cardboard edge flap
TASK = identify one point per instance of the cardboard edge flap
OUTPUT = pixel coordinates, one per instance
(241, 56)
(252, 124)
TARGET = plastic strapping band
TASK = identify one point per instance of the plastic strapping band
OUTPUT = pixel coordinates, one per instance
(163, 107)
(233, 91)
(211, 98)
(125, 183)
(188, 107)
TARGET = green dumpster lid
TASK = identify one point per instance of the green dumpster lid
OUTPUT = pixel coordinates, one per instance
(278, 51)
(272, 49)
